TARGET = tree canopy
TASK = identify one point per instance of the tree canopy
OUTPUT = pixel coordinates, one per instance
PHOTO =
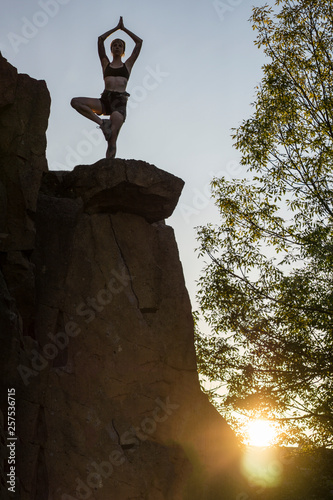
(267, 289)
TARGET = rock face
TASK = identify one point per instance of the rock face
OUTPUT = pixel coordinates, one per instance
(102, 354)
(24, 111)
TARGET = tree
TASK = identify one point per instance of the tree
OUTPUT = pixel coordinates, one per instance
(267, 290)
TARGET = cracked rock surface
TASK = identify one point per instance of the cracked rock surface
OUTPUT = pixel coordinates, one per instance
(108, 397)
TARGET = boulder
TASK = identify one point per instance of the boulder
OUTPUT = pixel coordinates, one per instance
(111, 186)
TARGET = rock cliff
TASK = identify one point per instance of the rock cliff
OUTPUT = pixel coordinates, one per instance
(96, 327)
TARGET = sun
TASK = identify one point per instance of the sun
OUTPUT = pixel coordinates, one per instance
(260, 433)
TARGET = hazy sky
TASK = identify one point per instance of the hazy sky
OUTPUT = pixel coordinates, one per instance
(193, 82)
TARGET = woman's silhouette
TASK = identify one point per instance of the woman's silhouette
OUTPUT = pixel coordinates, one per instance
(114, 98)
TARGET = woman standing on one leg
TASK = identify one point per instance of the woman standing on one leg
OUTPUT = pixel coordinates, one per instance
(114, 98)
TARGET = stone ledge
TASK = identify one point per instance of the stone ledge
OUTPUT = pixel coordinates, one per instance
(117, 185)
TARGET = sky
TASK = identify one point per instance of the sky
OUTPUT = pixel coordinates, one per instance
(193, 82)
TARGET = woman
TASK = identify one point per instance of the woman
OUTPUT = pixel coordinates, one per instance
(114, 98)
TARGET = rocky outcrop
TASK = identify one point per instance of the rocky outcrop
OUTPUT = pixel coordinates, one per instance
(107, 373)
(129, 186)
(24, 111)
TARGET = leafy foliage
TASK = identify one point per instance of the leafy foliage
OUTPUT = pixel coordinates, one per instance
(267, 291)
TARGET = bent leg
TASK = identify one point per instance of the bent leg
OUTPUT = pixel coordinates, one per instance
(87, 107)
(117, 119)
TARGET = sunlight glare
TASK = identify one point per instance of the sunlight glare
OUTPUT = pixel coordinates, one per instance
(260, 433)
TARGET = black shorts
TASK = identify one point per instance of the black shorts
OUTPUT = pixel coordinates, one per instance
(114, 101)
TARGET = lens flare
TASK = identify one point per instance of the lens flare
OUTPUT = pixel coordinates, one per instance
(262, 467)
(261, 464)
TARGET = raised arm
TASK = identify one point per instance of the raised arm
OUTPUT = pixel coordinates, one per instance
(138, 44)
(101, 39)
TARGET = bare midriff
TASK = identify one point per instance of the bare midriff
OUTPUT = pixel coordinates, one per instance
(115, 83)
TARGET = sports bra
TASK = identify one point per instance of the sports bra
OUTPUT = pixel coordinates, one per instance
(121, 71)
